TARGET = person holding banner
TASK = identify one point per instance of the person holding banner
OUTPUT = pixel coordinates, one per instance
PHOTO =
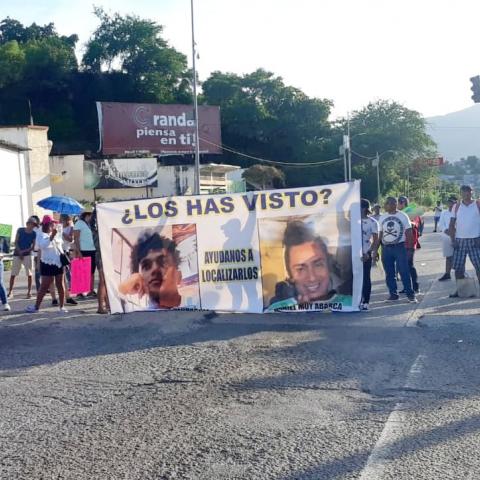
(51, 247)
(395, 231)
(370, 230)
(154, 263)
(309, 268)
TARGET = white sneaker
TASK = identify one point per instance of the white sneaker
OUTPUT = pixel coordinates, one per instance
(31, 309)
(6, 307)
(63, 310)
(364, 306)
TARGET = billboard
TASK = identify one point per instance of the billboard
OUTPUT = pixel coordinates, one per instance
(292, 250)
(127, 128)
(120, 173)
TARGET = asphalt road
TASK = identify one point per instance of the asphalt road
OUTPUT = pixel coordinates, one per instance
(388, 394)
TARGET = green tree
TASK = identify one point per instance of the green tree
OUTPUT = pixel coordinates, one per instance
(264, 177)
(135, 47)
(263, 117)
(399, 136)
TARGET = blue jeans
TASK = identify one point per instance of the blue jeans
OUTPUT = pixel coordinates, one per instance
(396, 255)
(3, 293)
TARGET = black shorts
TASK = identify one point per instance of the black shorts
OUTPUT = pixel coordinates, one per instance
(92, 255)
(47, 270)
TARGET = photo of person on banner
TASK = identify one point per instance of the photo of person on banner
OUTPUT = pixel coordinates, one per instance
(313, 280)
(154, 276)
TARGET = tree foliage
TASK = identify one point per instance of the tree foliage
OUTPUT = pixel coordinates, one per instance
(264, 177)
(399, 136)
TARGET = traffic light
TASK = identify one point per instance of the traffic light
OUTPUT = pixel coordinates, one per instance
(475, 88)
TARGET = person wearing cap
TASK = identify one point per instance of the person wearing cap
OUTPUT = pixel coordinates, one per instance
(23, 255)
(51, 247)
(370, 231)
(447, 245)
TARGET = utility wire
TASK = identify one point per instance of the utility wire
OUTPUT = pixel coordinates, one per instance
(258, 159)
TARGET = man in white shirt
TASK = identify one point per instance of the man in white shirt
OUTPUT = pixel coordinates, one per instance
(395, 230)
(464, 231)
(370, 231)
(447, 245)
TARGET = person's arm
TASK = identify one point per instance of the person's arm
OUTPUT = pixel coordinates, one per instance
(409, 242)
(451, 228)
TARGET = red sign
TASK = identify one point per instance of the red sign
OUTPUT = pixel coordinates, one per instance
(153, 128)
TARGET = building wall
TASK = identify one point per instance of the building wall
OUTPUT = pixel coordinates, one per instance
(13, 193)
(33, 138)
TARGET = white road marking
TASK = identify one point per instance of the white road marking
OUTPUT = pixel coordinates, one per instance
(392, 431)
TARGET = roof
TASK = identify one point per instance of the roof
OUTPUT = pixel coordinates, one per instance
(12, 146)
(218, 167)
(33, 127)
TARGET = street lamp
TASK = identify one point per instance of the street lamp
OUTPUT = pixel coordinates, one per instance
(195, 109)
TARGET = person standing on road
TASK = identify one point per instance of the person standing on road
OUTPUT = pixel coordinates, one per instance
(50, 245)
(437, 213)
(464, 232)
(84, 245)
(23, 255)
(67, 237)
(370, 230)
(395, 230)
(447, 245)
(376, 212)
(413, 245)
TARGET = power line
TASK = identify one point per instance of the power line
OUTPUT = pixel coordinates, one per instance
(258, 159)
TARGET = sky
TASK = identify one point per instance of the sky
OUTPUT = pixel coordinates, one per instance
(420, 53)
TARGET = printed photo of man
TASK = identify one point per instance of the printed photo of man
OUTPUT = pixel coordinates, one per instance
(310, 271)
(155, 262)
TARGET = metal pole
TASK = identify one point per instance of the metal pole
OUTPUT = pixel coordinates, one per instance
(195, 110)
(378, 178)
(345, 164)
(349, 151)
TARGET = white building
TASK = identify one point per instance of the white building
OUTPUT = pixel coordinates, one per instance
(32, 140)
(14, 198)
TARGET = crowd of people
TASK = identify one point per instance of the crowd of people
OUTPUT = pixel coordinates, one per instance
(394, 236)
(45, 249)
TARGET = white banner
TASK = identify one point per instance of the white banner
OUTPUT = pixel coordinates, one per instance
(279, 250)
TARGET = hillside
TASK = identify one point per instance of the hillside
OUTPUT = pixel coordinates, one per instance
(457, 134)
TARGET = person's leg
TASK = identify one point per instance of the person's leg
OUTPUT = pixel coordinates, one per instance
(448, 265)
(388, 260)
(44, 286)
(412, 269)
(403, 268)
(61, 290)
(3, 292)
(16, 266)
(37, 274)
(367, 282)
(102, 293)
(435, 219)
(459, 258)
(94, 267)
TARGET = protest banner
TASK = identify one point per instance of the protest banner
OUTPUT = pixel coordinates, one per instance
(279, 250)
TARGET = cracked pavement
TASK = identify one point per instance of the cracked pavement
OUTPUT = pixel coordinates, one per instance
(190, 395)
